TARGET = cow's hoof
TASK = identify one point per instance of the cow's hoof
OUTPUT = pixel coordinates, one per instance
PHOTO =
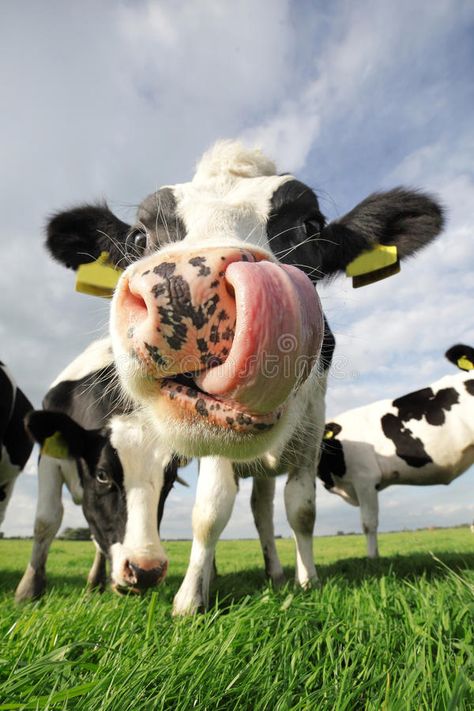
(309, 583)
(184, 605)
(277, 580)
(31, 586)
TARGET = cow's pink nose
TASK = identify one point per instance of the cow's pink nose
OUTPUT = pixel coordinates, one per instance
(178, 314)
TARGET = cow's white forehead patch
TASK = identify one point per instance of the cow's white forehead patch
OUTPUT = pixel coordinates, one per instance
(230, 195)
(227, 160)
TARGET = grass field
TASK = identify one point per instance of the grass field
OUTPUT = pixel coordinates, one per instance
(392, 634)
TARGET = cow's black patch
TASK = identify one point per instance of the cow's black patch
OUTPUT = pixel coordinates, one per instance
(90, 400)
(332, 462)
(414, 406)
(165, 269)
(200, 263)
(243, 419)
(177, 311)
(3, 493)
(410, 449)
(155, 355)
(201, 407)
(425, 403)
(294, 224)
(469, 385)
(14, 405)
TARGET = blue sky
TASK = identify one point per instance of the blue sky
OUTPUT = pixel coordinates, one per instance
(113, 99)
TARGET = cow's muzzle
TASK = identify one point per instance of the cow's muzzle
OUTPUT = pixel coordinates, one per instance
(244, 329)
(137, 578)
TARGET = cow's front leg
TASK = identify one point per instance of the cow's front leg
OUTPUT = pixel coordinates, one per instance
(49, 514)
(369, 513)
(97, 578)
(301, 512)
(215, 496)
(263, 493)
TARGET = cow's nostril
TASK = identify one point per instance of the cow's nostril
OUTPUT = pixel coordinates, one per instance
(137, 302)
(133, 301)
(129, 573)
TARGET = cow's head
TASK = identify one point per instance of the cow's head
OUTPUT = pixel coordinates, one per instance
(462, 356)
(124, 522)
(216, 324)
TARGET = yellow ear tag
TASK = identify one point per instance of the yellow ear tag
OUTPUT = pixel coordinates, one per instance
(377, 263)
(465, 364)
(98, 278)
(328, 435)
(55, 446)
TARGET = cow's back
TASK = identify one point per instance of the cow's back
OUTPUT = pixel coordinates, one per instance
(87, 390)
(425, 437)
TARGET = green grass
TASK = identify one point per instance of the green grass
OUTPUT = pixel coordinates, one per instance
(392, 634)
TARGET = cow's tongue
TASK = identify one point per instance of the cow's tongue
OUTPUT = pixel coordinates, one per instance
(278, 334)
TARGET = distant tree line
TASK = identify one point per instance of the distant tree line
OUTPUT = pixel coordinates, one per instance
(75, 534)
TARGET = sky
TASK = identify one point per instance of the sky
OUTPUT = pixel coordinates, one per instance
(111, 100)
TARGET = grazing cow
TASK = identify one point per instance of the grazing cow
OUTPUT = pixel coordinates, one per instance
(217, 329)
(83, 433)
(423, 438)
(15, 445)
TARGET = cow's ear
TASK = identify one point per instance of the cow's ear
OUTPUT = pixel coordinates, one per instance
(401, 220)
(82, 234)
(58, 434)
(331, 430)
(462, 356)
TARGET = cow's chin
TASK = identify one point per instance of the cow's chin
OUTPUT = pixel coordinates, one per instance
(196, 424)
(194, 436)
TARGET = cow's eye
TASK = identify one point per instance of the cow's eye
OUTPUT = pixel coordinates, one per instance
(312, 227)
(136, 242)
(102, 477)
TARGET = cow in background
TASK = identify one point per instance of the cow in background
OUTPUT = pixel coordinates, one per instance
(423, 438)
(217, 329)
(82, 432)
(15, 445)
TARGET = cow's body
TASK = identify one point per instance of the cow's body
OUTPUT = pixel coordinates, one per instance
(218, 332)
(419, 439)
(86, 408)
(15, 445)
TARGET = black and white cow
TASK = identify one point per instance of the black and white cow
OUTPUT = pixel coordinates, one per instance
(423, 438)
(15, 445)
(83, 433)
(217, 329)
